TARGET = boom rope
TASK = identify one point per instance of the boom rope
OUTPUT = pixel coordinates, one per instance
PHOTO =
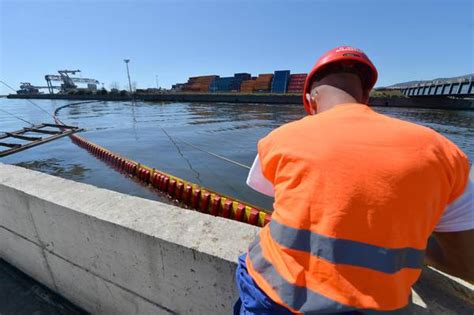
(188, 195)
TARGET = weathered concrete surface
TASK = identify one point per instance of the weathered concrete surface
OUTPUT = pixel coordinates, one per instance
(112, 253)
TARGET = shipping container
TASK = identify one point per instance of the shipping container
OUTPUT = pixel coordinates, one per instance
(296, 83)
(247, 86)
(280, 81)
(229, 84)
(203, 78)
(199, 83)
(221, 84)
(260, 84)
(238, 78)
(242, 76)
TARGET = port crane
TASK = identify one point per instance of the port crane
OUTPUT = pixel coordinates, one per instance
(68, 83)
(28, 88)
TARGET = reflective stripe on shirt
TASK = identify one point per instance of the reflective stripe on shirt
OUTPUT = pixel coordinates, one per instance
(340, 251)
(301, 298)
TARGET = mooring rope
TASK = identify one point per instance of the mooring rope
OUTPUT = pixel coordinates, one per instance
(24, 120)
(28, 100)
(215, 155)
(198, 176)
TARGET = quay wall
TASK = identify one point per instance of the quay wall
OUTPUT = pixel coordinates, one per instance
(111, 253)
(424, 102)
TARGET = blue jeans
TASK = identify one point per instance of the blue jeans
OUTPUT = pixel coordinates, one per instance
(252, 299)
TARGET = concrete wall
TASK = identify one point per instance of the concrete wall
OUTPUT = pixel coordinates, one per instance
(116, 254)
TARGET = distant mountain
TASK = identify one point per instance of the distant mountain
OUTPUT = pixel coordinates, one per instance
(408, 83)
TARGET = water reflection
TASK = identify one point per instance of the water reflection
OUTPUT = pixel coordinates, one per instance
(56, 167)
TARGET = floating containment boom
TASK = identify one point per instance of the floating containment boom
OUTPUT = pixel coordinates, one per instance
(187, 194)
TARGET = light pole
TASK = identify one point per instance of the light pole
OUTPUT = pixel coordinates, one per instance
(133, 99)
(156, 77)
(128, 74)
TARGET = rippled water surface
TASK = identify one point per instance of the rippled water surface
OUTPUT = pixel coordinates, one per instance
(155, 134)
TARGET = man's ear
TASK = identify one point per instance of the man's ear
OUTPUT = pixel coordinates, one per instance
(312, 104)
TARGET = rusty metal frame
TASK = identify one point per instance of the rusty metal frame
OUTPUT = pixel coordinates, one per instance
(62, 131)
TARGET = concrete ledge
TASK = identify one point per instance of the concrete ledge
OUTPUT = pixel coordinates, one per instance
(113, 253)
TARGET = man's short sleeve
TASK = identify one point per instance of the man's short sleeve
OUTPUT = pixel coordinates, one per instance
(458, 169)
(459, 215)
(459, 212)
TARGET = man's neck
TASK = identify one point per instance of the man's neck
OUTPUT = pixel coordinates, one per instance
(331, 102)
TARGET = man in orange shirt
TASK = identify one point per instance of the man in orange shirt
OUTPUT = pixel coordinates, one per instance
(357, 196)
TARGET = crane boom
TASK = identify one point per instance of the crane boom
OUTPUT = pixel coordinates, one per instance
(68, 83)
(55, 77)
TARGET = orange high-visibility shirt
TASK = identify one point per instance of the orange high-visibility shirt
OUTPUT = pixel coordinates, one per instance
(357, 194)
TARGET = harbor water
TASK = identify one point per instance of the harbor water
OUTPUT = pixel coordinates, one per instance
(156, 134)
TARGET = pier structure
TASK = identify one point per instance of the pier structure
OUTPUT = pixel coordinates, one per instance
(455, 88)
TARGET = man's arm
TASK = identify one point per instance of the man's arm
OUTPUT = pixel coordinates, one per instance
(451, 248)
(453, 253)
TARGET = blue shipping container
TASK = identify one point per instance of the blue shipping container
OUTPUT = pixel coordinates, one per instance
(242, 76)
(221, 84)
(280, 81)
(228, 84)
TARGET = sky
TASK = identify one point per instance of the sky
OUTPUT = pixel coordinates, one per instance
(406, 40)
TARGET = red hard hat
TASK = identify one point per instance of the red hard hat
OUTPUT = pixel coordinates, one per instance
(341, 54)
